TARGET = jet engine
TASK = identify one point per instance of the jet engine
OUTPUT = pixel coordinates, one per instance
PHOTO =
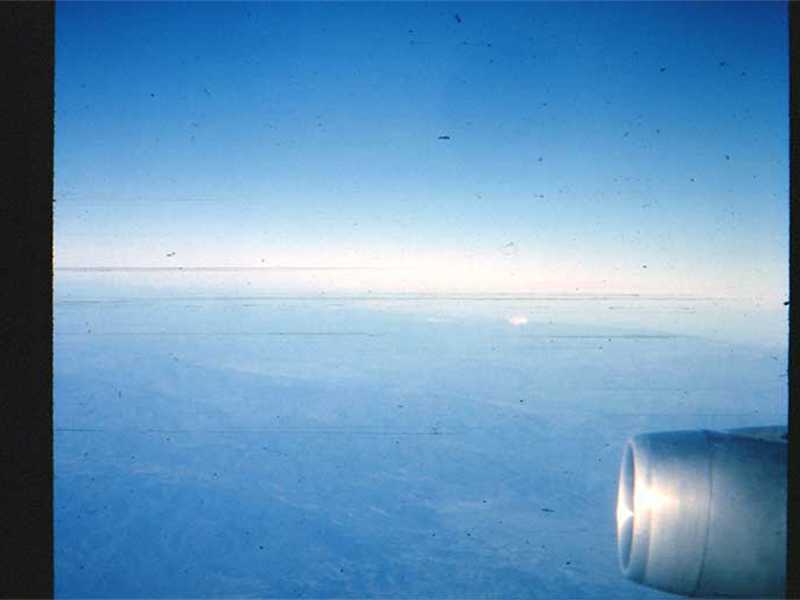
(703, 513)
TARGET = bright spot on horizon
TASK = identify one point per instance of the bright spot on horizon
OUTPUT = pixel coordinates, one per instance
(518, 320)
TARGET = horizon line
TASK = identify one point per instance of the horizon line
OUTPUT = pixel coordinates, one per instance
(105, 269)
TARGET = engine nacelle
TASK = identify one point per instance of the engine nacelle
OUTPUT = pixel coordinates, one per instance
(703, 513)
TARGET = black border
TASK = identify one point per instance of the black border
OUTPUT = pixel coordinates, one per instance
(27, 48)
(793, 524)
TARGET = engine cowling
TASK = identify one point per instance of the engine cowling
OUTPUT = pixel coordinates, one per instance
(703, 513)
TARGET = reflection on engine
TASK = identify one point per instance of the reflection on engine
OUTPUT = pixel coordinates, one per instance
(703, 513)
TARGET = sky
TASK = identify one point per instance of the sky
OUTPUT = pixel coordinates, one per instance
(405, 147)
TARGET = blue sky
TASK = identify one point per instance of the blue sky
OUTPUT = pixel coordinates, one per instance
(593, 147)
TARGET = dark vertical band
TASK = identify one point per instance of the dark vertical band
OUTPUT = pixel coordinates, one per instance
(793, 553)
(27, 48)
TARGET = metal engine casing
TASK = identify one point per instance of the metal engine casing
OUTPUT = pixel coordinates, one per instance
(703, 513)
